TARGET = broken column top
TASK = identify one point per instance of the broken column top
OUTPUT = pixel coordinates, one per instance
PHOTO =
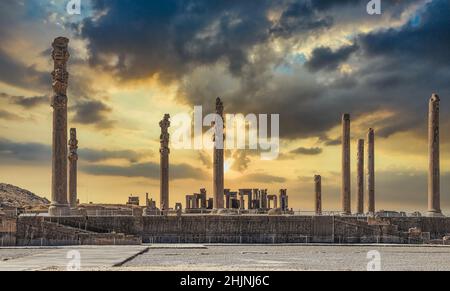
(60, 48)
(435, 98)
(346, 116)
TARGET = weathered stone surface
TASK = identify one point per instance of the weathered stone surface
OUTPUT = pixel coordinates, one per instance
(346, 178)
(360, 178)
(60, 54)
(73, 175)
(218, 166)
(434, 195)
(164, 152)
(318, 194)
(371, 172)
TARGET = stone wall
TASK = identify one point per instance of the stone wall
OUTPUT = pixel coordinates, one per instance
(231, 229)
(7, 231)
(45, 231)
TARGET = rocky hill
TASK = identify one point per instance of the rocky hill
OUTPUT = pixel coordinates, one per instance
(12, 196)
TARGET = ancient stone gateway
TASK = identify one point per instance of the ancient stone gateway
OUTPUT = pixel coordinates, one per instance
(164, 153)
(271, 198)
(59, 205)
(249, 194)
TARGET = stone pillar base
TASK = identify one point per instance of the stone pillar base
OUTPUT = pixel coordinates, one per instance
(435, 214)
(59, 210)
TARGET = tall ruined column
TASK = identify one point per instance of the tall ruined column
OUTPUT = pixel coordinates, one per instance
(345, 191)
(218, 174)
(318, 190)
(360, 178)
(164, 164)
(371, 172)
(73, 160)
(434, 196)
(60, 55)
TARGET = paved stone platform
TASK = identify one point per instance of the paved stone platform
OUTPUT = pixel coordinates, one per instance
(192, 257)
(35, 259)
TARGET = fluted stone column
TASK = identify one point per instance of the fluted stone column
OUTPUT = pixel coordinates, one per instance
(371, 172)
(164, 164)
(318, 190)
(360, 178)
(218, 171)
(346, 182)
(434, 196)
(73, 160)
(59, 205)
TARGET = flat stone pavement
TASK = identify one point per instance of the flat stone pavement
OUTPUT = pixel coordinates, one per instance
(228, 258)
(291, 258)
(59, 258)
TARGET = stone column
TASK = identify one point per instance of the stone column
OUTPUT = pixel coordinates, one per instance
(59, 205)
(360, 178)
(371, 172)
(73, 160)
(346, 191)
(318, 190)
(218, 171)
(434, 196)
(164, 153)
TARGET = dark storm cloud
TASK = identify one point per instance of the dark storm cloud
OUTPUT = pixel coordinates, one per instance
(169, 37)
(28, 151)
(26, 102)
(390, 77)
(146, 170)
(425, 38)
(17, 74)
(324, 58)
(24, 151)
(300, 17)
(307, 151)
(93, 112)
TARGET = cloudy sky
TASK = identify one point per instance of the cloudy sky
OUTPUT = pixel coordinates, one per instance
(308, 60)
